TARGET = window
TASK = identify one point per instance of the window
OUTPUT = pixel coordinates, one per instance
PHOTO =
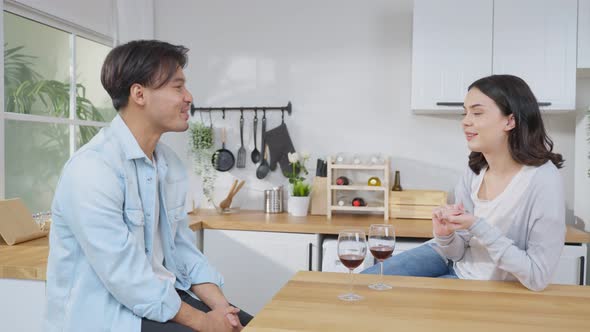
(53, 104)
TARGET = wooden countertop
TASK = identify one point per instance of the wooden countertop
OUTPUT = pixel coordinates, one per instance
(308, 302)
(28, 260)
(248, 220)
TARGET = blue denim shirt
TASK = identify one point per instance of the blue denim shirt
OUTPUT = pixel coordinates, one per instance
(99, 275)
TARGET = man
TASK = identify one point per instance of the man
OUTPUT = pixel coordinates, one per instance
(121, 256)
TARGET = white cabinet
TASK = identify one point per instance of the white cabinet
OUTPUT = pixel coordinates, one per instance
(584, 34)
(256, 265)
(572, 266)
(457, 42)
(22, 305)
(536, 40)
(452, 47)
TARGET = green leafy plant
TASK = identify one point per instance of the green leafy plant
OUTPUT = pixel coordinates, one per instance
(24, 87)
(296, 179)
(201, 136)
(26, 90)
(201, 143)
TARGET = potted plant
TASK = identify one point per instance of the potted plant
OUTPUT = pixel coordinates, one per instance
(201, 142)
(298, 202)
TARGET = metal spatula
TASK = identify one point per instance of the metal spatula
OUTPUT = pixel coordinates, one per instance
(241, 163)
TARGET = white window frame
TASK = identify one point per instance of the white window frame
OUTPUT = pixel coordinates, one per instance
(73, 30)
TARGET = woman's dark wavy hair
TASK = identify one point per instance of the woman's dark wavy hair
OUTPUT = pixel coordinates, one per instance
(528, 141)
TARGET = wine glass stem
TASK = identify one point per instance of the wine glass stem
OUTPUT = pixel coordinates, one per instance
(351, 280)
(381, 274)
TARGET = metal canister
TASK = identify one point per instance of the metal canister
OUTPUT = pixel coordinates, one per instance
(273, 200)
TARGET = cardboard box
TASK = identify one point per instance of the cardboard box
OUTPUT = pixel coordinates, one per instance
(17, 224)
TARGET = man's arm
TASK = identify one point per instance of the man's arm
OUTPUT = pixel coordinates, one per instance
(211, 295)
(92, 207)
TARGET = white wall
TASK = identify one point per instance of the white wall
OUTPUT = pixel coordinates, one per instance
(134, 20)
(582, 180)
(345, 65)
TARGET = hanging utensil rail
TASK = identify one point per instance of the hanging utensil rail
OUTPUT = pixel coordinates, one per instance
(283, 109)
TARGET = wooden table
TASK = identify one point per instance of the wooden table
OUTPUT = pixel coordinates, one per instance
(308, 302)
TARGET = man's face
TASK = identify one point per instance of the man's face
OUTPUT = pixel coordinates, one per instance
(167, 107)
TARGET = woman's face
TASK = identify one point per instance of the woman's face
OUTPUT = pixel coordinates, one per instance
(486, 128)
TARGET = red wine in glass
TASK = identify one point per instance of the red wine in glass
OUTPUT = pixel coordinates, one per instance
(381, 252)
(352, 261)
(381, 244)
(352, 249)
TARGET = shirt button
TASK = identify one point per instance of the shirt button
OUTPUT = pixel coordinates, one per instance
(148, 214)
(149, 179)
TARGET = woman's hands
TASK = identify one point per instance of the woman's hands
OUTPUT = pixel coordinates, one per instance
(447, 219)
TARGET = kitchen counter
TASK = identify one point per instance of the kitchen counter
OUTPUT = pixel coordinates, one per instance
(250, 220)
(28, 260)
(308, 302)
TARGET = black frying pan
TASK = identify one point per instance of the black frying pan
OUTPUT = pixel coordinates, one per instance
(223, 160)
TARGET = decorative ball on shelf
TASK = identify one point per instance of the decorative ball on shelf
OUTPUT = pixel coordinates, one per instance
(358, 202)
(342, 181)
(374, 181)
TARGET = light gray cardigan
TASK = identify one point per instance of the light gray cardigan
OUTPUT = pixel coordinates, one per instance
(530, 250)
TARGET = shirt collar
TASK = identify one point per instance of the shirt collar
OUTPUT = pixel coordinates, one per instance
(131, 148)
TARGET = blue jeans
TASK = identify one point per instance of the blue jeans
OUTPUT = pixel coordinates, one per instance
(422, 261)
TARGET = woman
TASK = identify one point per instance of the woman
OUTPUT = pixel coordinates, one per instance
(508, 220)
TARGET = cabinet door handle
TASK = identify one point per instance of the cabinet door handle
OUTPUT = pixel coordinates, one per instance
(310, 256)
(451, 104)
(455, 104)
(582, 260)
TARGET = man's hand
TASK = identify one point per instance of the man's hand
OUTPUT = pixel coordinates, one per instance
(212, 296)
(233, 318)
(217, 321)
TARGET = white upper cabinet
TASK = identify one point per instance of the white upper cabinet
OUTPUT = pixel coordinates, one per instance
(452, 47)
(536, 40)
(456, 42)
(584, 34)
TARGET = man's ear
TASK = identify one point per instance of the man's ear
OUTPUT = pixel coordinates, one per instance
(511, 123)
(136, 94)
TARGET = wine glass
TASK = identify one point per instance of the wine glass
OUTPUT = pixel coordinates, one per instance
(352, 249)
(381, 244)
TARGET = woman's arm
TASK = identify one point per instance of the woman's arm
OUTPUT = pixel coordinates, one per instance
(449, 242)
(535, 265)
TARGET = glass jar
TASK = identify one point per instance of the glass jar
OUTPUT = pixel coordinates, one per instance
(343, 199)
(340, 158)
